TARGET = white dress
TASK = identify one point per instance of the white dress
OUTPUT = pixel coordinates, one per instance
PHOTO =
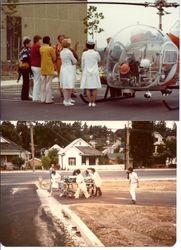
(68, 69)
(90, 71)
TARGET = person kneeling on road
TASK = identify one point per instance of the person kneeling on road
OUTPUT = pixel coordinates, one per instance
(81, 186)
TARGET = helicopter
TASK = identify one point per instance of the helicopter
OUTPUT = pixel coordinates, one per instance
(142, 58)
(138, 57)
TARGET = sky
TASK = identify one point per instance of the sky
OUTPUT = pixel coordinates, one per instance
(113, 125)
(117, 17)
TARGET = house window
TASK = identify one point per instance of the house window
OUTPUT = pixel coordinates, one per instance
(83, 160)
(72, 161)
(92, 160)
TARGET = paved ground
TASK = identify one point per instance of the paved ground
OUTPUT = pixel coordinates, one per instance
(23, 222)
(25, 177)
(138, 108)
(144, 198)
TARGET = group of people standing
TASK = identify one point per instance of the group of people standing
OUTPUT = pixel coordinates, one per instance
(43, 62)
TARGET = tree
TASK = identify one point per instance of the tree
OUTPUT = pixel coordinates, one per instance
(92, 20)
(24, 133)
(171, 148)
(53, 155)
(141, 142)
(8, 131)
(46, 162)
(18, 161)
(160, 127)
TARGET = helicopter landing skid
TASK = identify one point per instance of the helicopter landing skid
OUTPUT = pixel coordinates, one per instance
(169, 107)
(106, 98)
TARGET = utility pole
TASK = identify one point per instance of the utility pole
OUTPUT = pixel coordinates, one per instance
(127, 145)
(32, 146)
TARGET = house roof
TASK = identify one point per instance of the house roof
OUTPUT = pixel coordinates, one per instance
(72, 144)
(87, 150)
(8, 145)
(56, 146)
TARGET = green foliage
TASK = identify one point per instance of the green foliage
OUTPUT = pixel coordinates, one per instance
(23, 131)
(171, 148)
(46, 162)
(53, 156)
(160, 149)
(104, 160)
(119, 160)
(8, 131)
(92, 21)
(141, 142)
(18, 161)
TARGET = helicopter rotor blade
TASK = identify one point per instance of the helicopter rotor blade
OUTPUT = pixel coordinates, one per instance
(157, 4)
(145, 4)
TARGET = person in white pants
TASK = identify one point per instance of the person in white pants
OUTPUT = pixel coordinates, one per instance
(133, 184)
(35, 67)
(81, 186)
(46, 90)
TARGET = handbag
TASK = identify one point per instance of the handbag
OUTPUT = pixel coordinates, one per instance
(23, 65)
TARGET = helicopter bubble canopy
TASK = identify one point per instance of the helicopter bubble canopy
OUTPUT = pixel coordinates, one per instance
(140, 56)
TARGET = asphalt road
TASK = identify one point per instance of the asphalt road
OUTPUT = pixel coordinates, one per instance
(23, 177)
(24, 222)
(138, 108)
(144, 198)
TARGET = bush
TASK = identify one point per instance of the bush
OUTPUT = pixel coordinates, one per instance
(46, 162)
(18, 161)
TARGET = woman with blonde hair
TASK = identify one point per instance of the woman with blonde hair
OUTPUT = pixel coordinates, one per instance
(67, 72)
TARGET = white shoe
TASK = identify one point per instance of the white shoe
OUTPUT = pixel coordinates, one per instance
(93, 104)
(71, 100)
(90, 104)
(67, 103)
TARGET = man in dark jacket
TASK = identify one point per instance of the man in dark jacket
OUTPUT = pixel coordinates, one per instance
(25, 68)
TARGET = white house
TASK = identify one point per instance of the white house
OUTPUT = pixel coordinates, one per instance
(56, 146)
(77, 154)
(10, 149)
(158, 141)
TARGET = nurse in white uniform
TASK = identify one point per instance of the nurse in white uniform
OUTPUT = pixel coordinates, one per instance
(90, 72)
(67, 72)
(133, 184)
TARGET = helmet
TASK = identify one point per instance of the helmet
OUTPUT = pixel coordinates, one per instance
(145, 63)
(124, 69)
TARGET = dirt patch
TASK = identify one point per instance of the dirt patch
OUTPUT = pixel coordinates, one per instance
(143, 185)
(129, 225)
